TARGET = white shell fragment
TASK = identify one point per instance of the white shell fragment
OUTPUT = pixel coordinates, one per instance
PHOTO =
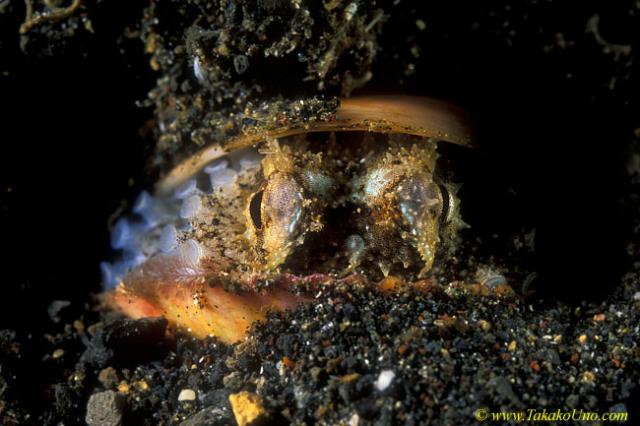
(198, 71)
(490, 278)
(384, 380)
(187, 395)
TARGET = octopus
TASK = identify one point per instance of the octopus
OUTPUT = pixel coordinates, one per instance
(261, 221)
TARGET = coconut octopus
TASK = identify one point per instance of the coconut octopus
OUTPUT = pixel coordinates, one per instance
(259, 221)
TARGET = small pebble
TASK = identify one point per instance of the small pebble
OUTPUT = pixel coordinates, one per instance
(484, 325)
(79, 326)
(187, 395)
(208, 416)
(355, 420)
(384, 379)
(56, 307)
(108, 377)
(588, 377)
(104, 409)
(123, 387)
(247, 407)
(141, 385)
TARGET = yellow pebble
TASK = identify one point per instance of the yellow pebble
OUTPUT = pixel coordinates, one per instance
(484, 325)
(142, 386)
(123, 387)
(588, 377)
(247, 407)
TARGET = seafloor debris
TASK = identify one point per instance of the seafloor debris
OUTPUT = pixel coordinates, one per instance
(50, 14)
(105, 409)
(426, 357)
(247, 408)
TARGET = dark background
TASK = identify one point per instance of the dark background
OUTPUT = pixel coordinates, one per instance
(553, 130)
(71, 149)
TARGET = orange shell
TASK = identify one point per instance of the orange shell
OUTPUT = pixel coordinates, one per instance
(412, 115)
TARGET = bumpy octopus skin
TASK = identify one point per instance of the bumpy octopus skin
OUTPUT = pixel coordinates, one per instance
(261, 235)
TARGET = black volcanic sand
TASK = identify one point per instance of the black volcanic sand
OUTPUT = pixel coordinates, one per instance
(551, 197)
(451, 353)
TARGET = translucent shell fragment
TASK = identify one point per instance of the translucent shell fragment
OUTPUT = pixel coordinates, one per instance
(255, 222)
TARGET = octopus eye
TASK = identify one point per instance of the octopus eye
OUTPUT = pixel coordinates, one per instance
(451, 219)
(276, 214)
(421, 206)
(255, 209)
(420, 202)
(404, 208)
